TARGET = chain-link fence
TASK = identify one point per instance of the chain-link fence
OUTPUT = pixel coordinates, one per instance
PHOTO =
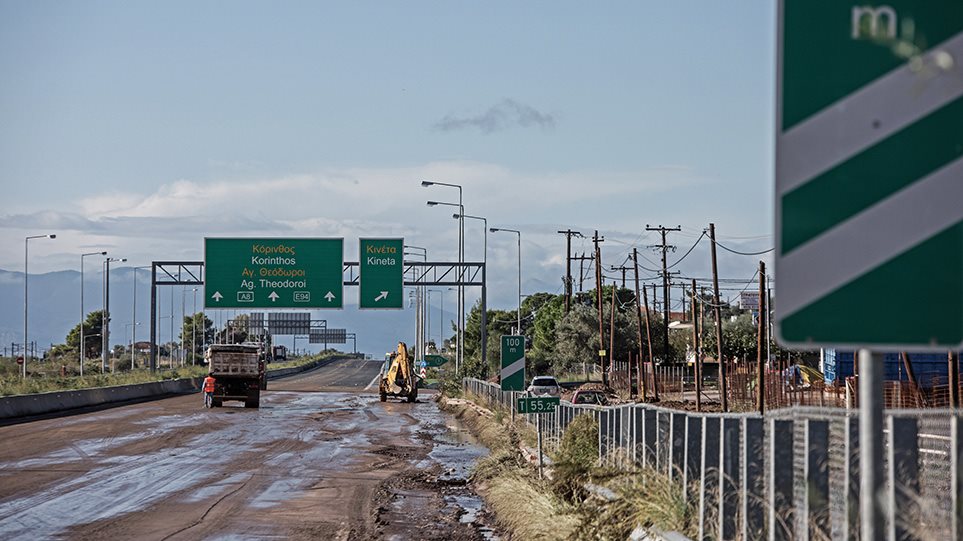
(790, 474)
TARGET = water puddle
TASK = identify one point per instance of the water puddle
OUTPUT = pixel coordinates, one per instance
(457, 451)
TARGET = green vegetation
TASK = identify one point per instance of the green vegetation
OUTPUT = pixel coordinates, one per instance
(63, 374)
(524, 504)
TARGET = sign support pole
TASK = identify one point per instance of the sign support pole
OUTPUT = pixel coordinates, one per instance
(538, 424)
(871, 481)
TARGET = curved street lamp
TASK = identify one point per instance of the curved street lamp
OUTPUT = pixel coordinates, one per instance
(26, 274)
(519, 233)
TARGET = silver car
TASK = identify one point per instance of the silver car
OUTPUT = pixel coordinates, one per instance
(544, 386)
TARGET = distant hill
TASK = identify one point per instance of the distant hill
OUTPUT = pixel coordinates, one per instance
(55, 309)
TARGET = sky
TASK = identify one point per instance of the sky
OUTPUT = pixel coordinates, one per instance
(142, 127)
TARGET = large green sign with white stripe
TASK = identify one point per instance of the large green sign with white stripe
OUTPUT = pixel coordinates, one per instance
(513, 363)
(869, 174)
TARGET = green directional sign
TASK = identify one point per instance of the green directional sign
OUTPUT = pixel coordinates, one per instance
(381, 273)
(435, 360)
(538, 404)
(869, 162)
(260, 273)
(513, 363)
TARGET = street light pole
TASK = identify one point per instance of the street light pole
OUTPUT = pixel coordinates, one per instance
(519, 233)
(420, 341)
(461, 268)
(484, 296)
(105, 316)
(26, 274)
(194, 330)
(83, 315)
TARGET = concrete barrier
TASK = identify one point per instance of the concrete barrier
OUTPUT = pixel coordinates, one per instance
(57, 401)
(43, 403)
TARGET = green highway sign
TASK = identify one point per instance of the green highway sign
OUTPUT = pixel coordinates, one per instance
(513, 363)
(435, 360)
(259, 273)
(869, 157)
(381, 273)
(537, 404)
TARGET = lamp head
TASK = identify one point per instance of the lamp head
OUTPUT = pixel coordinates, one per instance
(51, 236)
(103, 253)
(494, 229)
(432, 203)
(456, 215)
(427, 183)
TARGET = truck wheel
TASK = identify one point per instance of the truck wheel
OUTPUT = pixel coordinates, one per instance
(252, 403)
(215, 403)
(383, 396)
(413, 396)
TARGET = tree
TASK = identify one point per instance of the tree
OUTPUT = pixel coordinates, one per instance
(92, 339)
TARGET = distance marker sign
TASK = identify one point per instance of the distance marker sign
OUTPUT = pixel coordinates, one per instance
(381, 273)
(513, 363)
(869, 174)
(273, 273)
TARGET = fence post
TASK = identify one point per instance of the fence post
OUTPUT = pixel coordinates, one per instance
(956, 475)
(729, 478)
(851, 465)
(693, 455)
(603, 418)
(753, 480)
(780, 486)
(677, 445)
(815, 521)
(709, 485)
(904, 479)
(626, 428)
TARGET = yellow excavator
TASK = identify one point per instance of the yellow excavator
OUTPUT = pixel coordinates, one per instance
(398, 376)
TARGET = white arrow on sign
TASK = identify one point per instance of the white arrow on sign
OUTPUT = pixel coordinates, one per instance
(273, 296)
(384, 295)
(217, 296)
(329, 296)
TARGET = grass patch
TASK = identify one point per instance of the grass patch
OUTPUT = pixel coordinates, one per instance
(63, 375)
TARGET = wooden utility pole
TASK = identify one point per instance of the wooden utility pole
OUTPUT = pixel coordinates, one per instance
(638, 321)
(623, 268)
(696, 351)
(611, 350)
(568, 266)
(717, 310)
(648, 341)
(760, 364)
(598, 302)
(666, 305)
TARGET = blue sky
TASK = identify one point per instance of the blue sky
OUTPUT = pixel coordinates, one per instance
(141, 127)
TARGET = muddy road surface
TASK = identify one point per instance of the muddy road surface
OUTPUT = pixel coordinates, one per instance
(321, 459)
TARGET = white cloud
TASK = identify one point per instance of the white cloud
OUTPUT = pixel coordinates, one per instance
(171, 222)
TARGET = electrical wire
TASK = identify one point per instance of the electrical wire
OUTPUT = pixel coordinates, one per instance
(720, 245)
(696, 243)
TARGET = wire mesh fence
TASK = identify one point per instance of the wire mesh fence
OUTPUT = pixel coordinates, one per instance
(792, 473)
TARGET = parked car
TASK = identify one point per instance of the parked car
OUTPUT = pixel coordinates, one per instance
(544, 385)
(590, 397)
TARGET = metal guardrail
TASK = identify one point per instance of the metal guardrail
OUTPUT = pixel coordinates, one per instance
(791, 474)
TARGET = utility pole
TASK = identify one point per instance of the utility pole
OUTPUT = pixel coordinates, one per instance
(581, 269)
(666, 305)
(695, 348)
(760, 364)
(648, 340)
(717, 309)
(611, 350)
(623, 268)
(638, 321)
(568, 266)
(598, 302)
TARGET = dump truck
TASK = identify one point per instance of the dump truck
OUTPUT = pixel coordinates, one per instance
(398, 375)
(238, 371)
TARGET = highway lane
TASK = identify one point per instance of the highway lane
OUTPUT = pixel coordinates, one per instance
(321, 459)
